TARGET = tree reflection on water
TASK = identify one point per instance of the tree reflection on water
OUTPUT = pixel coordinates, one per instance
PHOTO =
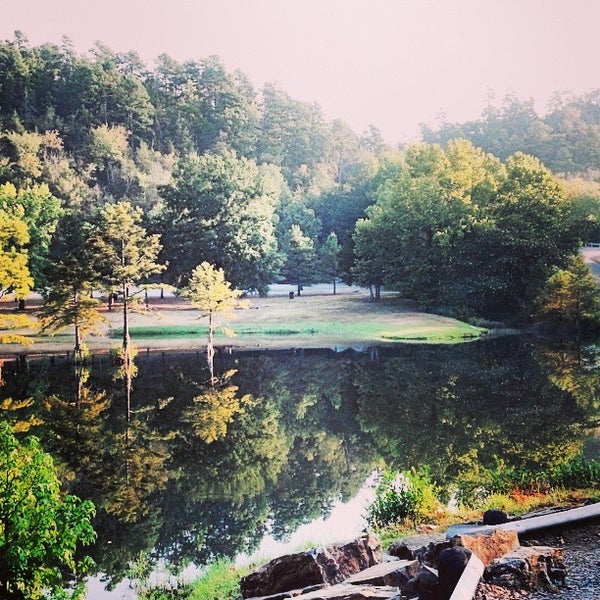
(200, 472)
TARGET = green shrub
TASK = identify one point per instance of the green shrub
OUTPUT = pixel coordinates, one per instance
(401, 497)
(577, 473)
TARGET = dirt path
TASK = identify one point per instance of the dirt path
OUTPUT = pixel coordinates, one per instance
(348, 310)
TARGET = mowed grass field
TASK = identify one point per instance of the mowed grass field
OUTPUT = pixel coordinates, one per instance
(316, 319)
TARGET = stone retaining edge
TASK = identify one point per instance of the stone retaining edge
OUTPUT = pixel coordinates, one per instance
(554, 519)
(527, 525)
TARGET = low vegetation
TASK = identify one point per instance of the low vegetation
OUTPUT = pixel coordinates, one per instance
(405, 501)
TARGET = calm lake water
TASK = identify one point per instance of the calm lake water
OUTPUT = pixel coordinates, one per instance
(197, 473)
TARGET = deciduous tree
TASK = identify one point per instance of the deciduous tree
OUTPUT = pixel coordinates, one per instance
(210, 292)
(14, 273)
(219, 210)
(40, 211)
(571, 296)
(300, 263)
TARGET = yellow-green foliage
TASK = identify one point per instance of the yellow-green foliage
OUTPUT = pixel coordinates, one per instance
(221, 582)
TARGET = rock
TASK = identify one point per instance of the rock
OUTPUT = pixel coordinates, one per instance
(340, 561)
(282, 574)
(401, 550)
(320, 566)
(488, 545)
(395, 573)
(428, 555)
(494, 517)
(451, 564)
(425, 585)
(529, 567)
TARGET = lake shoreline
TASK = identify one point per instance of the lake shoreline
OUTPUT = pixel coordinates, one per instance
(346, 320)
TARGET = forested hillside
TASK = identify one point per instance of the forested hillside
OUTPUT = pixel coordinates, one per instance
(266, 188)
(566, 139)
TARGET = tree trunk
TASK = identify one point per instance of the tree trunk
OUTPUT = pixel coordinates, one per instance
(77, 348)
(334, 289)
(210, 350)
(127, 349)
(125, 318)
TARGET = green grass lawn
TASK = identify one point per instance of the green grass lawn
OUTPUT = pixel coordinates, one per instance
(432, 332)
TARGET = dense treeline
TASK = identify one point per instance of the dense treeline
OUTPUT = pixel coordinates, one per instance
(463, 226)
(264, 187)
(223, 172)
(566, 139)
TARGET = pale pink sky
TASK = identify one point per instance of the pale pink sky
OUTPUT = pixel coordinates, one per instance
(393, 63)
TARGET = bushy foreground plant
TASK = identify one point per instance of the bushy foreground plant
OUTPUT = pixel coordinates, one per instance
(40, 531)
(402, 497)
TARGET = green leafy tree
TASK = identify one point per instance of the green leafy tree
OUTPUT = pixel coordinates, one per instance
(329, 259)
(14, 273)
(72, 277)
(459, 230)
(210, 292)
(571, 296)
(531, 216)
(220, 210)
(370, 260)
(300, 256)
(40, 531)
(40, 211)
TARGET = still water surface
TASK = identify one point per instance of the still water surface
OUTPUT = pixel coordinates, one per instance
(197, 473)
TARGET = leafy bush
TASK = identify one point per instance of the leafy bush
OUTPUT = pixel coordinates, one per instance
(40, 530)
(401, 497)
(578, 472)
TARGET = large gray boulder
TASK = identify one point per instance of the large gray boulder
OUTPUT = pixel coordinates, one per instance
(329, 565)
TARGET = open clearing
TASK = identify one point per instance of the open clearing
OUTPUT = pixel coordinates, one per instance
(317, 319)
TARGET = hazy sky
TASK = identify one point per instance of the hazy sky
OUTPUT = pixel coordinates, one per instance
(393, 63)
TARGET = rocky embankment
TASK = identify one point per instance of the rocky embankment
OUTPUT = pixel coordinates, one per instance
(581, 548)
(483, 564)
